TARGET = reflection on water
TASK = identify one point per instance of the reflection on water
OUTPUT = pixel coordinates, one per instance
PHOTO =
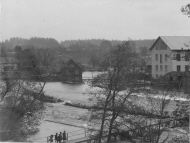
(70, 92)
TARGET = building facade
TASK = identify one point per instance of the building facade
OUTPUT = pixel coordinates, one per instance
(71, 72)
(169, 53)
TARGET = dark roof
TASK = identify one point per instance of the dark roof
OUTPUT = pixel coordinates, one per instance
(175, 42)
(77, 64)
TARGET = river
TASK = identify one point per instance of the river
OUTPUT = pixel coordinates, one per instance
(70, 92)
(67, 92)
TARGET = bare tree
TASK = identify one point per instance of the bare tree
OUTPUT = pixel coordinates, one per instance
(121, 62)
(186, 9)
(21, 108)
(127, 102)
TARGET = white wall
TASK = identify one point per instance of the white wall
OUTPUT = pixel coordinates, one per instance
(154, 62)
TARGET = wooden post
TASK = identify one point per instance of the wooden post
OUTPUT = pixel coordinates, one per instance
(67, 137)
(85, 132)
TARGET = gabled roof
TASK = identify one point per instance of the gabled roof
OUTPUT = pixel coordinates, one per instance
(72, 61)
(175, 42)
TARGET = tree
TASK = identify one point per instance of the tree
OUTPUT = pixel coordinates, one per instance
(186, 10)
(95, 60)
(125, 102)
(21, 111)
(121, 61)
(3, 50)
(18, 49)
(144, 51)
(20, 96)
(105, 46)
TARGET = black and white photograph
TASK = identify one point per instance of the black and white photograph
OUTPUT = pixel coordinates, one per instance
(95, 71)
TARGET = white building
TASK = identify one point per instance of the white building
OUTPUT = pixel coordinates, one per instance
(169, 53)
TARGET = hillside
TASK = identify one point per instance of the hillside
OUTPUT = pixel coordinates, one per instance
(52, 43)
(84, 51)
(138, 43)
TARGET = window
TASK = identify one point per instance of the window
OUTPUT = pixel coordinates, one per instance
(187, 68)
(166, 57)
(160, 67)
(156, 67)
(178, 57)
(160, 58)
(178, 68)
(156, 57)
(186, 57)
(166, 68)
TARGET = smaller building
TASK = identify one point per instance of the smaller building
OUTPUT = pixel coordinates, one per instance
(71, 72)
(8, 65)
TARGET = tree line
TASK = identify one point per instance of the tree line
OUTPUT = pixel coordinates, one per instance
(87, 52)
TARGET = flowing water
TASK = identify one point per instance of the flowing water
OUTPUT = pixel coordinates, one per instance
(70, 92)
(67, 92)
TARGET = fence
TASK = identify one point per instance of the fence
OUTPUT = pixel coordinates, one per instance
(135, 134)
(66, 136)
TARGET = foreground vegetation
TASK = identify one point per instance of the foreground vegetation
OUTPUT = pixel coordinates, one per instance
(134, 118)
(116, 108)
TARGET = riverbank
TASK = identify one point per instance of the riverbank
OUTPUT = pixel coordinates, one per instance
(46, 98)
(67, 116)
(58, 118)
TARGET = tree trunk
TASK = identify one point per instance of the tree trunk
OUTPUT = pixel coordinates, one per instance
(110, 127)
(103, 120)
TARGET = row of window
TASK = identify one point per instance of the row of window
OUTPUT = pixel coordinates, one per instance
(178, 57)
(166, 68)
(161, 58)
(161, 68)
(179, 68)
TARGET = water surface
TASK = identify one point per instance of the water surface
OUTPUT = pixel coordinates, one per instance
(70, 92)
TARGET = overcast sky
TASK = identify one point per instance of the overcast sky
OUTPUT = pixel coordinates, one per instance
(86, 19)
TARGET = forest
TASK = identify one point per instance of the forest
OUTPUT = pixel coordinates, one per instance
(88, 52)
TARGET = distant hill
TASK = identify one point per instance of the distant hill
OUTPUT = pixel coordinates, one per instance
(138, 43)
(87, 44)
(144, 43)
(83, 51)
(34, 41)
